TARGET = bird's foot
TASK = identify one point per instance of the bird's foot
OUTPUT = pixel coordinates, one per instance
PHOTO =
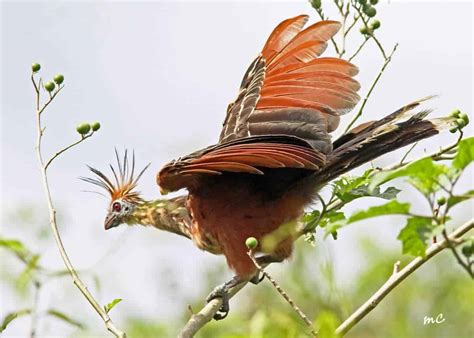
(264, 260)
(257, 278)
(222, 291)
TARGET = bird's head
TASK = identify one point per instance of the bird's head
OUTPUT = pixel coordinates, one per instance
(124, 199)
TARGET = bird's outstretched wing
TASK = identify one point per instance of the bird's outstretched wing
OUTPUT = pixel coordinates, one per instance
(288, 103)
(289, 90)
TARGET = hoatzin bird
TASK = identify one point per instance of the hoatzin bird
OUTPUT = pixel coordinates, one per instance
(274, 152)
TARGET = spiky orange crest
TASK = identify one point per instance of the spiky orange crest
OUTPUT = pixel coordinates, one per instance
(125, 181)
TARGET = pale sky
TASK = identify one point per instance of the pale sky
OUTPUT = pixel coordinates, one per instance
(158, 76)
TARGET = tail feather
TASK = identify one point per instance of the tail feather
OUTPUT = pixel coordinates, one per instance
(373, 139)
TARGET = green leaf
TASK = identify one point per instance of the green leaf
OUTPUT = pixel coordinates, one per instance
(455, 199)
(391, 208)
(327, 323)
(109, 306)
(65, 318)
(465, 154)
(424, 175)
(332, 221)
(27, 274)
(416, 235)
(12, 316)
(16, 247)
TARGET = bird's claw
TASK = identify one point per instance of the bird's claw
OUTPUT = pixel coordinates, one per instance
(221, 291)
(257, 278)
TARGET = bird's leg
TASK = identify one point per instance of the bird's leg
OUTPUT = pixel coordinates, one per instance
(264, 261)
(222, 291)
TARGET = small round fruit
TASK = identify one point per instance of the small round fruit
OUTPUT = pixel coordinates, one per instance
(59, 78)
(316, 4)
(441, 200)
(251, 243)
(365, 30)
(464, 117)
(467, 250)
(83, 128)
(453, 129)
(95, 126)
(455, 113)
(35, 67)
(375, 24)
(49, 86)
(374, 2)
(461, 123)
(370, 11)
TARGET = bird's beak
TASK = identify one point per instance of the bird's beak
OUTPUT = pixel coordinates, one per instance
(163, 191)
(109, 222)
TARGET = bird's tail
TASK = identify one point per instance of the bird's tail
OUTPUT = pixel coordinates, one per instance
(373, 139)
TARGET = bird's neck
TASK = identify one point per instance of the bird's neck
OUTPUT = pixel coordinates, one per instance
(169, 215)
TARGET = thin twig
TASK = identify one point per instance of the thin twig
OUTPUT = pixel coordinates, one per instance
(377, 78)
(456, 255)
(407, 153)
(53, 221)
(435, 156)
(358, 49)
(34, 309)
(351, 25)
(372, 35)
(398, 277)
(283, 293)
(82, 139)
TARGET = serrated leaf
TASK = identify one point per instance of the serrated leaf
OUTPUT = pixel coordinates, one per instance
(391, 208)
(109, 306)
(11, 317)
(465, 153)
(416, 235)
(65, 318)
(423, 174)
(455, 199)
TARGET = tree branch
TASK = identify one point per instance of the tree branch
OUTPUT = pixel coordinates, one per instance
(366, 98)
(205, 315)
(53, 221)
(198, 320)
(397, 277)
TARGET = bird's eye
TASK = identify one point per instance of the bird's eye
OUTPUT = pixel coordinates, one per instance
(116, 207)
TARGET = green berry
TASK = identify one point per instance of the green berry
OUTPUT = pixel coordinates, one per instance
(95, 126)
(59, 78)
(365, 30)
(453, 129)
(464, 117)
(251, 243)
(35, 67)
(374, 24)
(374, 2)
(441, 200)
(49, 86)
(455, 113)
(83, 128)
(370, 11)
(316, 4)
(468, 250)
(461, 123)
